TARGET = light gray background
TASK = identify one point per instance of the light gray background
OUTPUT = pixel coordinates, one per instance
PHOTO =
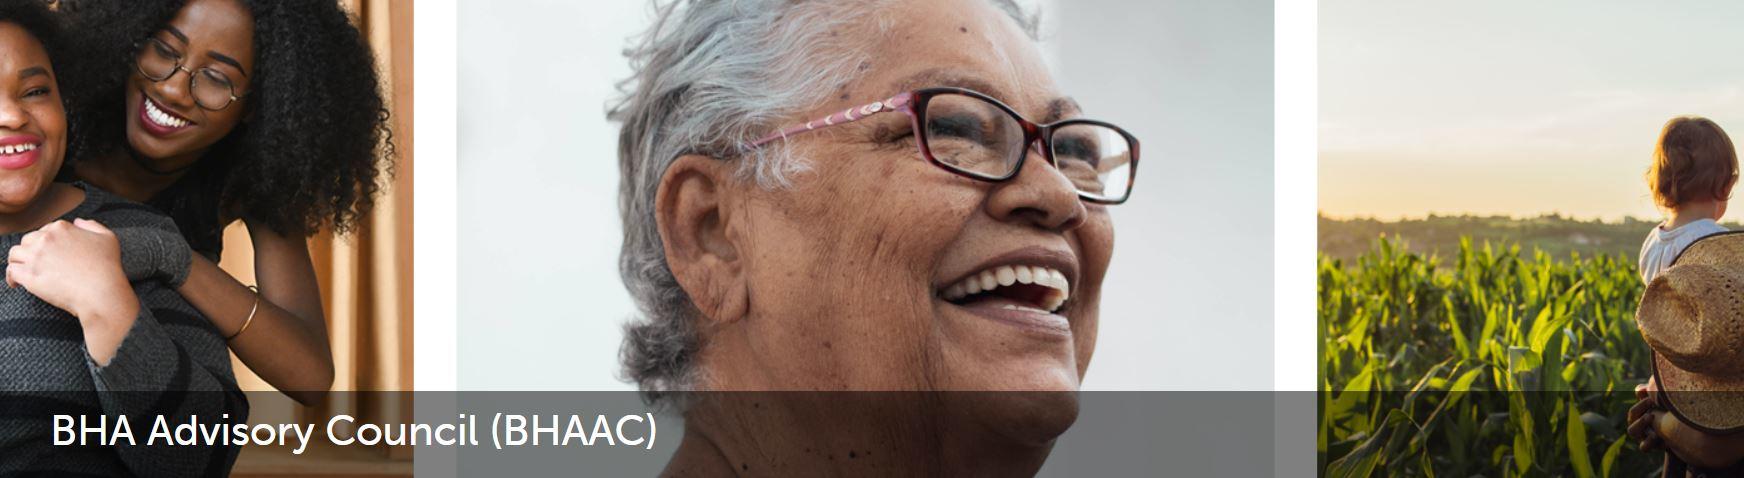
(1187, 304)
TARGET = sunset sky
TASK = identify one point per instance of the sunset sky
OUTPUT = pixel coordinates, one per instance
(1516, 108)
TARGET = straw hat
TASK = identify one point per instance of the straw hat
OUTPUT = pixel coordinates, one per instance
(1693, 317)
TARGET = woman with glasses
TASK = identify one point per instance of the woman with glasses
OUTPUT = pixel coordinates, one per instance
(829, 196)
(217, 111)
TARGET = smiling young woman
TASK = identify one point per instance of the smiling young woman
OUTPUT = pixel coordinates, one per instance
(217, 111)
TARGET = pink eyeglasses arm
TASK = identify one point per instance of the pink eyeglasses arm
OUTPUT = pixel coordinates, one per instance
(845, 116)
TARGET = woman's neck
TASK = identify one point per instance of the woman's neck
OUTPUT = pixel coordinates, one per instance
(122, 174)
(54, 202)
(1692, 212)
(843, 433)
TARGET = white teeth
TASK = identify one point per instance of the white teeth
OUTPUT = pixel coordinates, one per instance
(12, 149)
(1015, 274)
(159, 117)
(1022, 308)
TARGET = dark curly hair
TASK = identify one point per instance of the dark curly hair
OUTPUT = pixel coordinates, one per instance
(35, 18)
(307, 155)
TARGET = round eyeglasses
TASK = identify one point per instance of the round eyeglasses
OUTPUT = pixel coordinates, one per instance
(973, 135)
(158, 61)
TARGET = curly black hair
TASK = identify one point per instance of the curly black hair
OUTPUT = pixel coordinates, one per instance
(35, 18)
(312, 148)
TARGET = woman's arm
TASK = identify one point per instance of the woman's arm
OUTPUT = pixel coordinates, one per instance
(286, 343)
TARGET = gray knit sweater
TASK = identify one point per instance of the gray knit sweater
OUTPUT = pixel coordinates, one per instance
(172, 363)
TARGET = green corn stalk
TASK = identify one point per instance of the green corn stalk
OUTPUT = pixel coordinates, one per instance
(1414, 350)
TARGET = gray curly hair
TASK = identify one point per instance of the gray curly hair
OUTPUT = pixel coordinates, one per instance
(710, 76)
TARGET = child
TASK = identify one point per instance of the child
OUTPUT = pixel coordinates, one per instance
(78, 334)
(1694, 169)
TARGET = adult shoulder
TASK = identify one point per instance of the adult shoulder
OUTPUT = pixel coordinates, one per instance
(118, 212)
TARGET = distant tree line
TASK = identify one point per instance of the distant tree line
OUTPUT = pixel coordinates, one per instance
(1439, 235)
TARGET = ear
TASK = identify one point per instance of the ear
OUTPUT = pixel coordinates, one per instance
(694, 211)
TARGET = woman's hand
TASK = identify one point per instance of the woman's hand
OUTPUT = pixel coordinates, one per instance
(76, 266)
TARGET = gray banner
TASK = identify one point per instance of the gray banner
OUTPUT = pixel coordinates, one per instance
(1114, 434)
(782, 434)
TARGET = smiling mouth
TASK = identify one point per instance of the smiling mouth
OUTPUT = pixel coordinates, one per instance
(18, 154)
(1015, 287)
(17, 149)
(161, 118)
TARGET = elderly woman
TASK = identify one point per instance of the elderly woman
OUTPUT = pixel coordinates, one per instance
(862, 196)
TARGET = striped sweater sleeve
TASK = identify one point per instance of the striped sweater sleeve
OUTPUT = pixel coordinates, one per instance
(173, 362)
(154, 374)
(152, 253)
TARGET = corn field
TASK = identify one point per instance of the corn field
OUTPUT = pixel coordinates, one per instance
(1497, 363)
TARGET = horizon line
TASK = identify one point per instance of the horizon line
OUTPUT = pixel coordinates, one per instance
(1473, 214)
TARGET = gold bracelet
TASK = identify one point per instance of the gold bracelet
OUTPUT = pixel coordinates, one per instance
(251, 311)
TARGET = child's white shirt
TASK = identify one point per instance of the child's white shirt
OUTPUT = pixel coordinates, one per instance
(1662, 246)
